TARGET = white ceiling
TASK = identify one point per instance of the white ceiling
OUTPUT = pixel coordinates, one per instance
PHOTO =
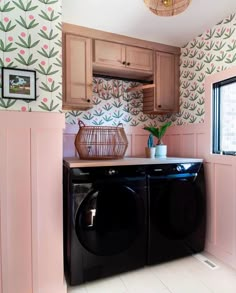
(132, 18)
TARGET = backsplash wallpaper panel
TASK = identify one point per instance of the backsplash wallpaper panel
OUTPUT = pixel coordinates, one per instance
(213, 51)
(30, 38)
(113, 104)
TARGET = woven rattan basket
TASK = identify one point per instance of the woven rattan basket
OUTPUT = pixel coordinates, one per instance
(101, 142)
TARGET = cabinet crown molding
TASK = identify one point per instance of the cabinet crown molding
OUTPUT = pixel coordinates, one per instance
(122, 39)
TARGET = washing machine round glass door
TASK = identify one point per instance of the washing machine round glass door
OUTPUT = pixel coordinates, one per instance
(177, 207)
(109, 219)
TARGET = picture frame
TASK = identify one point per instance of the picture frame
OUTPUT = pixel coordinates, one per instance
(18, 83)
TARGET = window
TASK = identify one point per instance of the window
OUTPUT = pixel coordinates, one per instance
(224, 117)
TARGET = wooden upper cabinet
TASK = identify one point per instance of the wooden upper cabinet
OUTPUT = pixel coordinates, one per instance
(165, 97)
(77, 72)
(110, 54)
(115, 57)
(87, 52)
(139, 58)
(167, 81)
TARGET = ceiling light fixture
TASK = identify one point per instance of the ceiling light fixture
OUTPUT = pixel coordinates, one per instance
(167, 7)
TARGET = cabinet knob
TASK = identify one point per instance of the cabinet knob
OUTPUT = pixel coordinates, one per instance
(123, 62)
(88, 100)
(128, 63)
(159, 106)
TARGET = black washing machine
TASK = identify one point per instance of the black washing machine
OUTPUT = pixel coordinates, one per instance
(177, 211)
(105, 221)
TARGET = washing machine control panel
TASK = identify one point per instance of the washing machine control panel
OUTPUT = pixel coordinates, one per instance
(169, 169)
(124, 171)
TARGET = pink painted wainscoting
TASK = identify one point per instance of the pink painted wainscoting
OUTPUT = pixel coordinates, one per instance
(181, 141)
(31, 232)
(195, 141)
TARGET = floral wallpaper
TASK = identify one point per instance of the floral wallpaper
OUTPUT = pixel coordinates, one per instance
(113, 104)
(213, 51)
(30, 38)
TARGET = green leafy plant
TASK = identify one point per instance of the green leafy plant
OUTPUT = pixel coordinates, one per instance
(158, 131)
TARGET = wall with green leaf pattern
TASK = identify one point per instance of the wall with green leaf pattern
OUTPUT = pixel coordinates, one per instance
(213, 51)
(113, 104)
(30, 38)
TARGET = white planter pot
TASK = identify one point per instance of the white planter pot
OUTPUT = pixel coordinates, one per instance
(161, 151)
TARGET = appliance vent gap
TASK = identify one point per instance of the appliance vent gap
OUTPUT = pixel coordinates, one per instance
(209, 263)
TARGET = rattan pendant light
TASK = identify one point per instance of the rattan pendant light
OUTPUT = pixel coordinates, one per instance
(167, 7)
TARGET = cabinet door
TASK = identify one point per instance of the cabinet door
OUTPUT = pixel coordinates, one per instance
(109, 54)
(167, 82)
(139, 58)
(78, 72)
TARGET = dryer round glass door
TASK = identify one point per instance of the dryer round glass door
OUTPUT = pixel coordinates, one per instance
(109, 218)
(176, 208)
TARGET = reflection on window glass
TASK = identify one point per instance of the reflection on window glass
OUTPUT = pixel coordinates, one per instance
(224, 117)
(228, 117)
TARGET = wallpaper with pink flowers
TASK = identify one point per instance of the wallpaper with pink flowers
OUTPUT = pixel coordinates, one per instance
(211, 52)
(30, 38)
(113, 104)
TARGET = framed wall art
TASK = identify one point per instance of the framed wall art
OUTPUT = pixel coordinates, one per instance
(18, 84)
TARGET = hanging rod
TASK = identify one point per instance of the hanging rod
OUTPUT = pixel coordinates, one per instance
(141, 87)
(123, 79)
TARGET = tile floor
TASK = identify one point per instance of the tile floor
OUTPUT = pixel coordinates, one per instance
(187, 275)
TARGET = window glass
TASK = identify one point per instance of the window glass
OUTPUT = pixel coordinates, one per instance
(228, 117)
(224, 117)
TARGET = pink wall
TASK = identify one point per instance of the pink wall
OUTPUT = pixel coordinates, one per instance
(31, 234)
(181, 141)
(195, 140)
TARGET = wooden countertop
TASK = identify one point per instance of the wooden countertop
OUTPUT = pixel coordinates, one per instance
(77, 163)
